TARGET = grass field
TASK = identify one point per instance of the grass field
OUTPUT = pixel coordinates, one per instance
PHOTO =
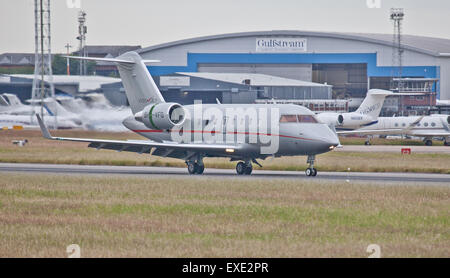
(40, 215)
(40, 150)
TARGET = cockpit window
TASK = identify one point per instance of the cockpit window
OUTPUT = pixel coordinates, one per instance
(288, 119)
(306, 119)
(297, 119)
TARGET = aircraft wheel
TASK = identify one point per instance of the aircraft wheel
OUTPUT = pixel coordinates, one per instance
(200, 169)
(367, 143)
(308, 172)
(240, 168)
(248, 169)
(314, 172)
(192, 168)
(428, 142)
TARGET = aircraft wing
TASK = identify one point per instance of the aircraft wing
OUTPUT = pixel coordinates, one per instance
(421, 133)
(143, 146)
(372, 131)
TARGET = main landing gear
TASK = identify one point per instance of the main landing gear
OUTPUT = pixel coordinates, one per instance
(195, 167)
(244, 168)
(367, 142)
(311, 171)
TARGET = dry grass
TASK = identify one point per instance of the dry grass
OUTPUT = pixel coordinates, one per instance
(40, 150)
(173, 217)
(353, 140)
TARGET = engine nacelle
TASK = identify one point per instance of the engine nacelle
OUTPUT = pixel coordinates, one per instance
(162, 115)
(331, 119)
(355, 120)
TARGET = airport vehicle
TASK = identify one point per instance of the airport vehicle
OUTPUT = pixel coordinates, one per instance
(366, 114)
(240, 132)
(427, 127)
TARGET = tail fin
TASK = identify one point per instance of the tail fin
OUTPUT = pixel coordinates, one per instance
(52, 106)
(373, 102)
(139, 85)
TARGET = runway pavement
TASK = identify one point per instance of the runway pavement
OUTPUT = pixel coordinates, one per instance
(394, 149)
(410, 178)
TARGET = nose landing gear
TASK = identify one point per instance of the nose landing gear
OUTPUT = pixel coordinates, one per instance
(311, 171)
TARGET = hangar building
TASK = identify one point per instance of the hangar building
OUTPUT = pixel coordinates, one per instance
(351, 63)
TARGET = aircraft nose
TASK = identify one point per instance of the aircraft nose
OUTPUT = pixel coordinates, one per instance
(333, 142)
(333, 139)
(330, 140)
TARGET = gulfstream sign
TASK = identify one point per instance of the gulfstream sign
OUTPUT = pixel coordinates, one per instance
(280, 45)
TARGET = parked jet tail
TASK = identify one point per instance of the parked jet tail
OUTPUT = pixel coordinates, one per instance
(140, 87)
(373, 102)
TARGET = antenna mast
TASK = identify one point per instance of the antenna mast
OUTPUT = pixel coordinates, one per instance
(397, 16)
(82, 30)
(42, 55)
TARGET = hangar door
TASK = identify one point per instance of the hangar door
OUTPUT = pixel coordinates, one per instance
(348, 80)
(292, 71)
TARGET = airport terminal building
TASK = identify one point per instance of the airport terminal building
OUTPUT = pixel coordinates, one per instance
(350, 63)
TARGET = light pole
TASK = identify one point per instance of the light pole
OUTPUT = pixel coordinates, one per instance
(68, 46)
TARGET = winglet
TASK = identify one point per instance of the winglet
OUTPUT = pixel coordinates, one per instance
(44, 129)
(112, 60)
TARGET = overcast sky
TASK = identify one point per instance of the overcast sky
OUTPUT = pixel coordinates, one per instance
(150, 22)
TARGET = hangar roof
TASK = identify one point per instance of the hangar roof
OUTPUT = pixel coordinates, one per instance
(426, 45)
(256, 79)
(86, 83)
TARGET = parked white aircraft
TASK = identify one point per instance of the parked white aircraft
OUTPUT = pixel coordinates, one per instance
(95, 112)
(11, 104)
(14, 112)
(242, 132)
(428, 127)
(366, 115)
(92, 112)
(29, 121)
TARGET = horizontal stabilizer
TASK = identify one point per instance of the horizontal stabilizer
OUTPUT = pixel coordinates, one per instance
(112, 60)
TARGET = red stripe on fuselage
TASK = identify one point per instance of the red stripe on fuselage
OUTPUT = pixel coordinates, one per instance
(213, 132)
